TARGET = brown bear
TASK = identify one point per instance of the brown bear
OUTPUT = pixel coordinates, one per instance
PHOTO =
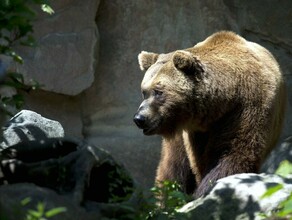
(218, 106)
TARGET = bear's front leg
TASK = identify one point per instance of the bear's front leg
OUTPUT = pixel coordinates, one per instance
(174, 165)
(226, 167)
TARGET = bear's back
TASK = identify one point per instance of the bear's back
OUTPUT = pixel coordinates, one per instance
(251, 71)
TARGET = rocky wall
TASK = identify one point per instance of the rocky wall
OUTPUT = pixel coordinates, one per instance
(97, 100)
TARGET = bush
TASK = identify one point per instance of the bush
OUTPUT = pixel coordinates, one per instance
(164, 202)
(16, 28)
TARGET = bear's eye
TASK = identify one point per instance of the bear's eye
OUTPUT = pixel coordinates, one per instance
(157, 93)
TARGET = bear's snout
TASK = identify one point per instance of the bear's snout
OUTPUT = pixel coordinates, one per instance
(140, 120)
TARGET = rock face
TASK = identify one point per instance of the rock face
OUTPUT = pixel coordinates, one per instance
(239, 197)
(102, 113)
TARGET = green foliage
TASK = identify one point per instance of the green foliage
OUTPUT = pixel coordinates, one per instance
(15, 80)
(284, 169)
(162, 203)
(47, 8)
(16, 28)
(40, 212)
(16, 17)
(120, 185)
(272, 190)
(285, 208)
(166, 199)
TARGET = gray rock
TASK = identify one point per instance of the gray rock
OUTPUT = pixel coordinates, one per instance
(68, 41)
(239, 197)
(29, 126)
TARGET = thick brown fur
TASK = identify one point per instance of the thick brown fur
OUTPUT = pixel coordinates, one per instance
(218, 106)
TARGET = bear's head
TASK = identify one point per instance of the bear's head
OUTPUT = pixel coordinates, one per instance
(168, 88)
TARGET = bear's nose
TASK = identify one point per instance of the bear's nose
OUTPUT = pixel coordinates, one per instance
(139, 120)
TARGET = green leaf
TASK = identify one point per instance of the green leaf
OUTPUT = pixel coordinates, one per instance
(7, 51)
(25, 201)
(287, 207)
(284, 169)
(16, 77)
(15, 80)
(272, 190)
(34, 213)
(35, 85)
(18, 100)
(16, 57)
(46, 8)
(55, 211)
(41, 207)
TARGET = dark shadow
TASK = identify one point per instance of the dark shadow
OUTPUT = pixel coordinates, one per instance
(67, 166)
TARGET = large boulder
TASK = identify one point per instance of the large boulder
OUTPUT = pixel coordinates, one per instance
(28, 126)
(239, 197)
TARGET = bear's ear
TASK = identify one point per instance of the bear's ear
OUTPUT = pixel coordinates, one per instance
(187, 63)
(146, 59)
